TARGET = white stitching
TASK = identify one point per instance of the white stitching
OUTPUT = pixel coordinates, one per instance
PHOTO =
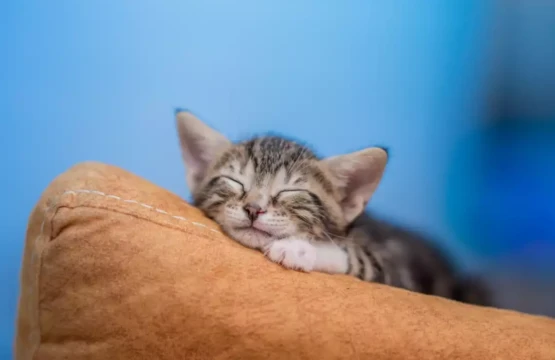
(34, 336)
(95, 192)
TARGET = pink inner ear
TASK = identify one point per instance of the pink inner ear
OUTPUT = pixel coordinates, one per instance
(360, 182)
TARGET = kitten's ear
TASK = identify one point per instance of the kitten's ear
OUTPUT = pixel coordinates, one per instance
(200, 144)
(358, 175)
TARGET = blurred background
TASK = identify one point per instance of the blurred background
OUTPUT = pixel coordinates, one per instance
(462, 92)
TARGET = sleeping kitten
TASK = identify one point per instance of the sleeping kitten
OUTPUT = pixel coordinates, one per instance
(307, 214)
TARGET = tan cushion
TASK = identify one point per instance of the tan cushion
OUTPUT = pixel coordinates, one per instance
(118, 268)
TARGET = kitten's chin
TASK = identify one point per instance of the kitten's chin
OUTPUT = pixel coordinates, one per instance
(251, 237)
(251, 231)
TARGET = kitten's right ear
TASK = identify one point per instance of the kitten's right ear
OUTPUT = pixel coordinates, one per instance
(200, 144)
(357, 175)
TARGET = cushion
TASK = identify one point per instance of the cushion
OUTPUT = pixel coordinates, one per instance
(117, 268)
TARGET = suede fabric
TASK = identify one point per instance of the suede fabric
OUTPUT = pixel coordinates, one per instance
(117, 268)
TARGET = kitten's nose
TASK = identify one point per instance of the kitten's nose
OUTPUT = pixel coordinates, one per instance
(253, 210)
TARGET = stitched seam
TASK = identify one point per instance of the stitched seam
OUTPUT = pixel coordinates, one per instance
(36, 254)
(129, 201)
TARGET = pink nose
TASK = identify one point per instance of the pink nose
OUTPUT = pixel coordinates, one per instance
(253, 210)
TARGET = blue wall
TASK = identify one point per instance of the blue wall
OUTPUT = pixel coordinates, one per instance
(98, 80)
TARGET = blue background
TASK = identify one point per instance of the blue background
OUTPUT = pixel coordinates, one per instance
(98, 80)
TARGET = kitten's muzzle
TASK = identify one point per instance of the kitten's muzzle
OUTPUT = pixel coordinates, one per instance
(253, 210)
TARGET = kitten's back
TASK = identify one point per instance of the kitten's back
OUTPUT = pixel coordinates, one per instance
(415, 262)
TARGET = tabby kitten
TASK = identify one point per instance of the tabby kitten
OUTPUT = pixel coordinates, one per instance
(307, 214)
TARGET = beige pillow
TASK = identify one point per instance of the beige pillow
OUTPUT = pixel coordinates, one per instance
(118, 268)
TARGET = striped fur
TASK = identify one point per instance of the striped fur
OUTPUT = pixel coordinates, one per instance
(309, 212)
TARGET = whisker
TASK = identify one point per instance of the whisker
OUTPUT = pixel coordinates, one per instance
(338, 236)
(329, 237)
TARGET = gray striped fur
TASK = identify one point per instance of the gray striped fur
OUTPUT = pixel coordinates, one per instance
(321, 200)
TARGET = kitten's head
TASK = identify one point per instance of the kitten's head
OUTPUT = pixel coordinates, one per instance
(270, 188)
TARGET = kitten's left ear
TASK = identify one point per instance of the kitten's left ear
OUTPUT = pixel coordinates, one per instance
(357, 175)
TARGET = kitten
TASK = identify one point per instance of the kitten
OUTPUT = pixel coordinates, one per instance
(306, 213)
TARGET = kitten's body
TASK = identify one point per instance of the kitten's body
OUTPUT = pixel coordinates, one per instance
(412, 262)
(306, 213)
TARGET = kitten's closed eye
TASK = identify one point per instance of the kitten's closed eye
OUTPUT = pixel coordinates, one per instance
(234, 184)
(306, 195)
(288, 195)
(291, 192)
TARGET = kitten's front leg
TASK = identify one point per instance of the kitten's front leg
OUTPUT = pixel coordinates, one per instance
(300, 254)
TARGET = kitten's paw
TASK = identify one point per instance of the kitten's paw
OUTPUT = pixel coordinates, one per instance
(293, 254)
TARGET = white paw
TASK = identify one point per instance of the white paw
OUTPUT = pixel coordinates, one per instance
(293, 254)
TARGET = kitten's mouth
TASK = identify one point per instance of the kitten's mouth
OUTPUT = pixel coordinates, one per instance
(254, 230)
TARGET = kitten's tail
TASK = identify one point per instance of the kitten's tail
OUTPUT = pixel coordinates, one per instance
(473, 290)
